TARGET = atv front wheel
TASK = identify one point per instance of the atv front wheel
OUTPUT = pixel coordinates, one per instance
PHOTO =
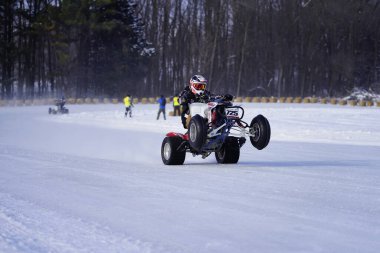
(260, 129)
(169, 151)
(229, 152)
(197, 132)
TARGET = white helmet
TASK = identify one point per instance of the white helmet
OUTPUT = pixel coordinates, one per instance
(198, 84)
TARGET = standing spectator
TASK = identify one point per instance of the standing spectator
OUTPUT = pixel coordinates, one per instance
(162, 103)
(128, 105)
(176, 105)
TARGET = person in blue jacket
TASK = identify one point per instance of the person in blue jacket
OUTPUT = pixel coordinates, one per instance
(162, 102)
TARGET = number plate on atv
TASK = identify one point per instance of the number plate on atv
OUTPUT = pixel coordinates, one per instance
(232, 113)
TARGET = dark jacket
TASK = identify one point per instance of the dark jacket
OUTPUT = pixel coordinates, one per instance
(188, 97)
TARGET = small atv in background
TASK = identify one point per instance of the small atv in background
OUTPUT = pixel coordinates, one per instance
(215, 127)
(59, 107)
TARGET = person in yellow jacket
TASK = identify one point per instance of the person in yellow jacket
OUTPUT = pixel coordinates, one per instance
(128, 105)
(177, 106)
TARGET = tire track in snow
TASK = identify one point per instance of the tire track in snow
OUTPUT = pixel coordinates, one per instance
(24, 229)
(31, 227)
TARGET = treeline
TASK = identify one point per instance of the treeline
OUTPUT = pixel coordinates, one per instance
(149, 47)
(73, 47)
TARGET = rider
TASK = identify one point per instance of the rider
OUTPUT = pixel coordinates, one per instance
(195, 92)
(60, 103)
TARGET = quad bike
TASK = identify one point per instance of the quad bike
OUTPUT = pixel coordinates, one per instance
(215, 127)
(59, 108)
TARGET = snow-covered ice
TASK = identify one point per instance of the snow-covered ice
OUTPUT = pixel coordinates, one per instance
(93, 181)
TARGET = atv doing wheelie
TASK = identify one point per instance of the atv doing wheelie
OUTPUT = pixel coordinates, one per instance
(215, 127)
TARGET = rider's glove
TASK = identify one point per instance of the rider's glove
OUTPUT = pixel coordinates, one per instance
(228, 97)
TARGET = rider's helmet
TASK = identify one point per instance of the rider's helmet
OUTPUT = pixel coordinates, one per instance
(198, 84)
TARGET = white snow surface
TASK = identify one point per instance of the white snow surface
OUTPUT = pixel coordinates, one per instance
(94, 181)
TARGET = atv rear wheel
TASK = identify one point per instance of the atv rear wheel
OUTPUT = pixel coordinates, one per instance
(260, 128)
(197, 132)
(229, 152)
(169, 151)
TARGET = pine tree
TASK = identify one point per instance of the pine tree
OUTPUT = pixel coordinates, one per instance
(7, 47)
(119, 49)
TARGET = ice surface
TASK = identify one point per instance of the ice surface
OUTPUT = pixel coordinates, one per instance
(93, 181)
